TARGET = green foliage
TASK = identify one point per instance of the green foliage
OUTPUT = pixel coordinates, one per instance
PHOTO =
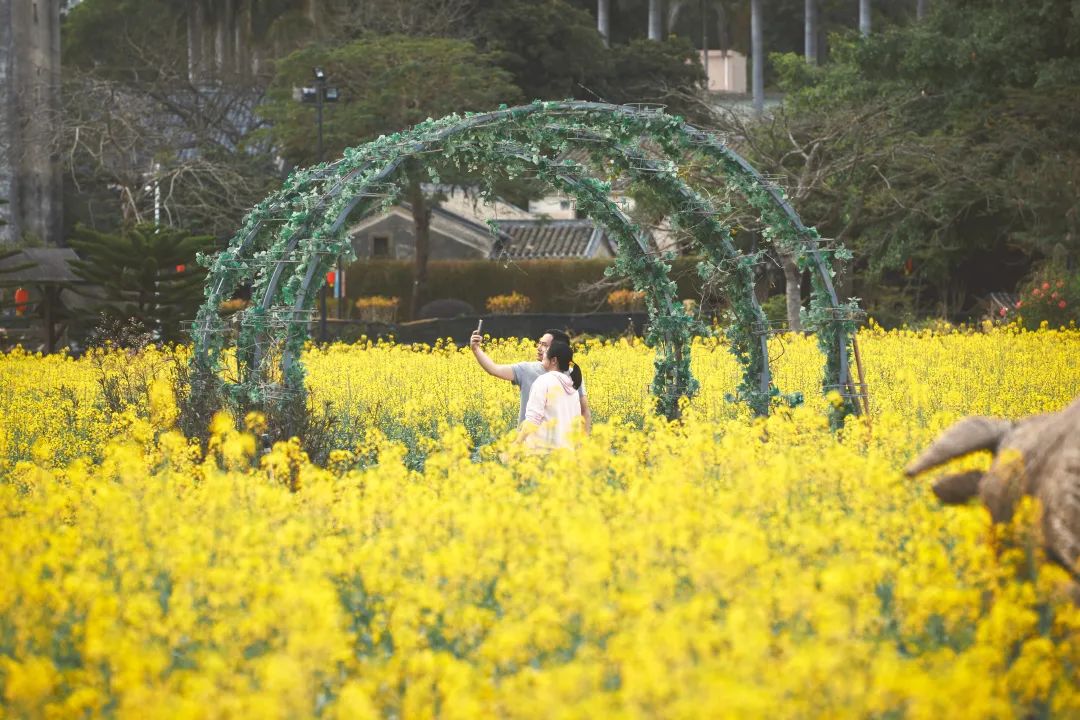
(386, 83)
(970, 52)
(137, 274)
(553, 51)
(148, 131)
(667, 72)
(6, 253)
(934, 146)
(291, 239)
(891, 307)
(147, 40)
(125, 39)
(1051, 295)
(136, 53)
(775, 308)
(550, 48)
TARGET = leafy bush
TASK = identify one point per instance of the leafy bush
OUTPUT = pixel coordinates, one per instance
(513, 304)
(1052, 296)
(626, 300)
(775, 307)
(376, 308)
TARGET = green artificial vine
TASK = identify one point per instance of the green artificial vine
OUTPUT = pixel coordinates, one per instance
(289, 241)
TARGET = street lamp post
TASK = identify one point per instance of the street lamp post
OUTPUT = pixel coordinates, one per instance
(318, 96)
(705, 41)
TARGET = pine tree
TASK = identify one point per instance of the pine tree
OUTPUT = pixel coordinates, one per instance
(144, 273)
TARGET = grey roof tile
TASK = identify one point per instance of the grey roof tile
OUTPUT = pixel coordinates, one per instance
(537, 239)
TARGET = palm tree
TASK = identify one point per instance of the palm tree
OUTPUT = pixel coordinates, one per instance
(757, 51)
(656, 30)
(723, 25)
(603, 19)
(675, 8)
(233, 36)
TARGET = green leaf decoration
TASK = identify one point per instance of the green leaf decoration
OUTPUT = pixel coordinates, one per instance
(288, 242)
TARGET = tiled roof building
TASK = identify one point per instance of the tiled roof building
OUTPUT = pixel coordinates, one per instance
(539, 239)
(460, 230)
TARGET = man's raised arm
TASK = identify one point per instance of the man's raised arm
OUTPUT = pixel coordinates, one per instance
(504, 372)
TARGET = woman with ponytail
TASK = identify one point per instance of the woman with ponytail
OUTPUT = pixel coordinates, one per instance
(553, 409)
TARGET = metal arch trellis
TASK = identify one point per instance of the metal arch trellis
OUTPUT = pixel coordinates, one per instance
(289, 240)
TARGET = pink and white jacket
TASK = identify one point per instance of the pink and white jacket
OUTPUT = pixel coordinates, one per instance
(553, 405)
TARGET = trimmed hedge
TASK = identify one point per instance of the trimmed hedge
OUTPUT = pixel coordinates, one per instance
(550, 284)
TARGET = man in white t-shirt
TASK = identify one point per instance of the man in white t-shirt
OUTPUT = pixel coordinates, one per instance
(523, 374)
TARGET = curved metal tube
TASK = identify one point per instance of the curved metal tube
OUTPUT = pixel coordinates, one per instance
(708, 144)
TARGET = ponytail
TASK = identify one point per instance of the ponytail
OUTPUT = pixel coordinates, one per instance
(575, 375)
(564, 357)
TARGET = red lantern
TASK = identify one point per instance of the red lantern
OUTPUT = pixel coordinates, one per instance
(180, 268)
(330, 277)
(22, 298)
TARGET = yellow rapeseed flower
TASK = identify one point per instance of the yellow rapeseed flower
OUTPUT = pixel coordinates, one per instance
(721, 566)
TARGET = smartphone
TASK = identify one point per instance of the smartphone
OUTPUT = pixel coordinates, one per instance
(479, 325)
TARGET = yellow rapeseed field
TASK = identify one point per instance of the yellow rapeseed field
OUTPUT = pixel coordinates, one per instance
(719, 567)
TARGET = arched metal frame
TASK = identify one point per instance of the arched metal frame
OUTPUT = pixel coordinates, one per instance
(293, 237)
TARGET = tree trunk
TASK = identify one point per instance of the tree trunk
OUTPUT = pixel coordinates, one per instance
(864, 17)
(421, 213)
(242, 39)
(703, 14)
(723, 29)
(603, 19)
(810, 32)
(195, 42)
(792, 291)
(674, 10)
(240, 22)
(226, 37)
(50, 296)
(656, 30)
(758, 57)
(920, 9)
(256, 34)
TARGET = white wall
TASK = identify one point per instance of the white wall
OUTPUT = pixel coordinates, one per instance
(727, 71)
(556, 207)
